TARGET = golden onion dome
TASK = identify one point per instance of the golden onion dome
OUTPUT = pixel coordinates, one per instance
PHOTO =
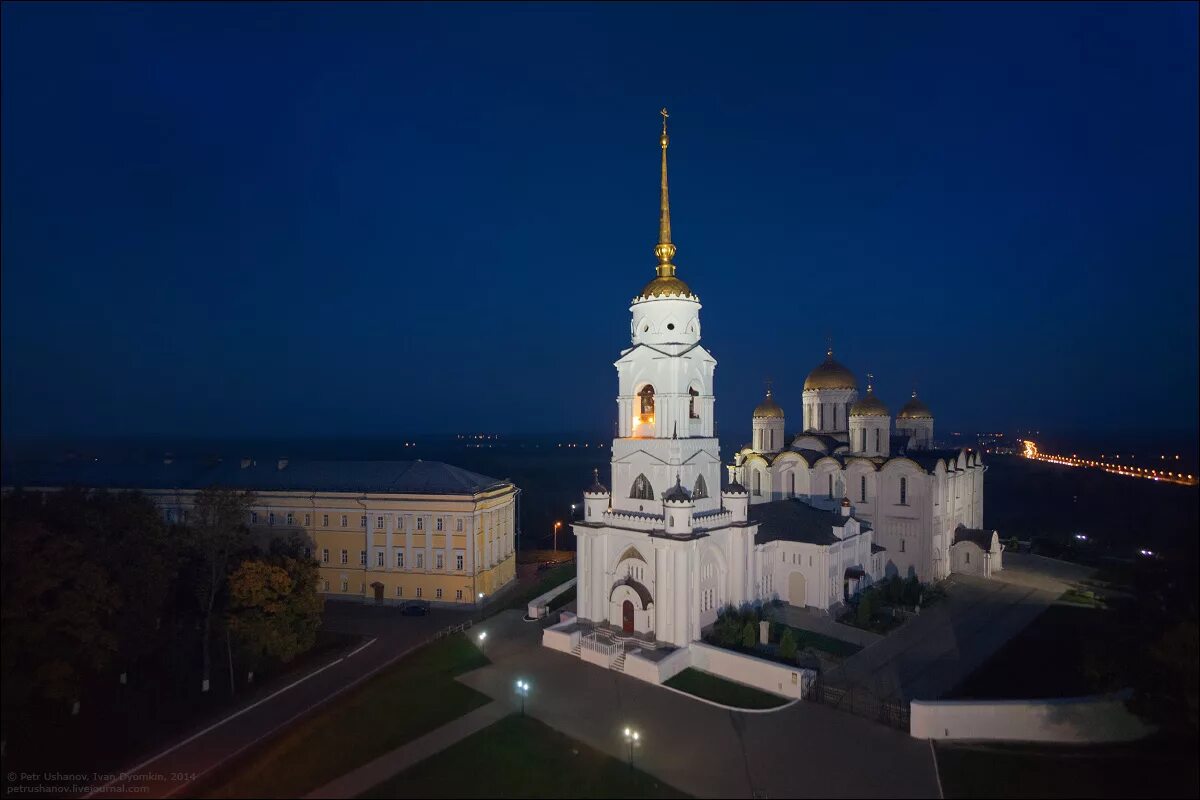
(768, 408)
(666, 286)
(914, 409)
(868, 406)
(829, 374)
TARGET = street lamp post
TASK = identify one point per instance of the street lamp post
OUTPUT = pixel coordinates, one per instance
(557, 525)
(632, 737)
(523, 690)
(482, 642)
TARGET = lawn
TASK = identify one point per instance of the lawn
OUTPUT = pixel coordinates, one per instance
(719, 690)
(396, 706)
(1159, 767)
(826, 644)
(547, 580)
(521, 757)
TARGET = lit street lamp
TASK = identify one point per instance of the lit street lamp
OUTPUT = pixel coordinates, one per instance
(523, 690)
(557, 525)
(632, 737)
(482, 640)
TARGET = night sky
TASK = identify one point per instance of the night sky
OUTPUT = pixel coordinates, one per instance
(306, 219)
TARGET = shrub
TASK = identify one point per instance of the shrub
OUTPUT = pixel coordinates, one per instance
(787, 645)
(749, 635)
(912, 591)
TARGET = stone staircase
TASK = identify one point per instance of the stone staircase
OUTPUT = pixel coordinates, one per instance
(578, 646)
(618, 663)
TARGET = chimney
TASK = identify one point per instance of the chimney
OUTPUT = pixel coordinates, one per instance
(845, 506)
(281, 464)
(246, 462)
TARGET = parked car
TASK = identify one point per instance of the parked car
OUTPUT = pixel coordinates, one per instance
(415, 608)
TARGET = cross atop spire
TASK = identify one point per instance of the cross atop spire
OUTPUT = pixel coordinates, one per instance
(870, 381)
(829, 346)
(664, 250)
(768, 381)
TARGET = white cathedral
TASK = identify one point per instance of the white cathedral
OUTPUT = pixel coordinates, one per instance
(810, 522)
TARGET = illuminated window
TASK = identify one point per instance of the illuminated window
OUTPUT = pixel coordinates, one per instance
(647, 401)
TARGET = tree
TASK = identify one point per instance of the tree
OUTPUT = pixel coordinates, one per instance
(274, 607)
(58, 604)
(912, 591)
(787, 645)
(866, 608)
(749, 635)
(218, 533)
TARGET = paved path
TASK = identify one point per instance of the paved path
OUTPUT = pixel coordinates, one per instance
(176, 765)
(932, 653)
(807, 750)
(376, 772)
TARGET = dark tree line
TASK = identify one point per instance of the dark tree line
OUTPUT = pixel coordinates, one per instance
(96, 587)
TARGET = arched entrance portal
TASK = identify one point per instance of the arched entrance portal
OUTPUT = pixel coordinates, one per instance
(627, 617)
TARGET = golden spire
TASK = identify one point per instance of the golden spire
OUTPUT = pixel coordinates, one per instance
(664, 250)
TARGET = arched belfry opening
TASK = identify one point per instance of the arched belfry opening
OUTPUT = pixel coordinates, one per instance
(693, 412)
(642, 490)
(646, 401)
(700, 489)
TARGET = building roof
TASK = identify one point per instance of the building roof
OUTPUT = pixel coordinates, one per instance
(768, 408)
(796, 521)
(979, 537)
(829, 374)
(876, 548)
(915, 409)
(385, 477)
(868, 405)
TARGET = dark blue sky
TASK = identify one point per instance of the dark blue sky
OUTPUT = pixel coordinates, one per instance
(306, 219)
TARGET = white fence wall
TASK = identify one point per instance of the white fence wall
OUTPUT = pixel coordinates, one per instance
(537, 606)
(1076, 719)
(660, 671)
(766, 675)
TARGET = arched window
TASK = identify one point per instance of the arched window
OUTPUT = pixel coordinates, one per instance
(863, 448)
(904, 491)
(862, 489)
(647, 397)
(821, 413)
(791, 484)
(831, 484)
(771, 440)
(700, 489)
(642, 490)
(877, 440)
(692, 410)
(757, 482)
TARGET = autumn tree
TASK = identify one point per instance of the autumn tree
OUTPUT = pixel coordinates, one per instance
(274, 607)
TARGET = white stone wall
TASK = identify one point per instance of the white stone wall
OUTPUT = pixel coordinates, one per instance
(1081, 719)
(766, 675)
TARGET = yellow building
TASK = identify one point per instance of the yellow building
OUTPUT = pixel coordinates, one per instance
(383, 531)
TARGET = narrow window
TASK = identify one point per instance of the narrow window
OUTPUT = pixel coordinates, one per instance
(458, 594)
(400, 559)
(326, 586)
(420, 523)
(439, 560)
(307, 520)
(362, 521)
(458, 562)
(291, 519)
(418, 591)
(362, 558)
(700, 488)
(904, 491)
(862, 488)
(399, 591)
(692, 412)
(378, 523)
(345, 520)
(345, 585)
(325, 555)
(438, 594)
(968, 555)
(757, 483)
(439, 523)
(458, 525)
(901, 545)
(324, 520)
(831, 484)
(646, 397)
(379, 559)
(253, 517)
(877, 440)
(420, 560)
(821, 412)
(271, 518)
(345, 556)
(170, 515)
(791, 484)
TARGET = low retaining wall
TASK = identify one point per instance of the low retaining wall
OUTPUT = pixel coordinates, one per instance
(661, 671)
(537, 606)
(557, 639)
(1075, 719)
(766, 675)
